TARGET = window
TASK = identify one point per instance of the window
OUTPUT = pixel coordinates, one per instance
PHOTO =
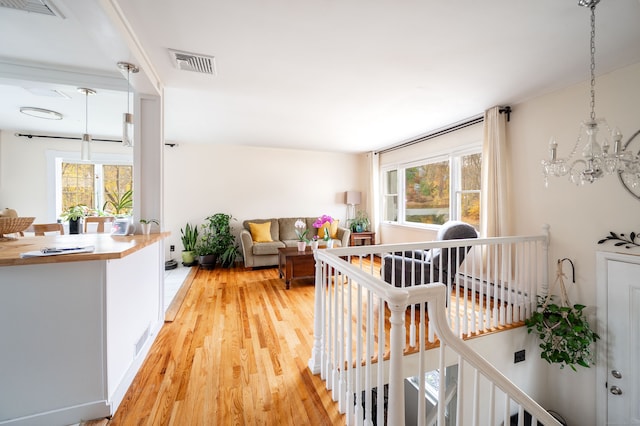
(427, 193)
(468, 196)
(77, 185)
(94, 185)
(435, 190)
(390, 196)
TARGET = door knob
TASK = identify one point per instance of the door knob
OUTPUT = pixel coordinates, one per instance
(615, 390)
(616, 374)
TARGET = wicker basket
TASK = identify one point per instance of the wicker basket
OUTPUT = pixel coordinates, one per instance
(11, 225)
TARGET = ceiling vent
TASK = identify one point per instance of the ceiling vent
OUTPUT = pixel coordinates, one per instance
(193, 62)
(44, 7)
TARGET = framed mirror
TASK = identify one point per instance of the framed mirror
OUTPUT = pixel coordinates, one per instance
(630, 179)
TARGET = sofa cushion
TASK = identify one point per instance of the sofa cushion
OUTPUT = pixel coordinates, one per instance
(287, 228)
(260, 232)
(275, 234)
(333, 230)
(261, 249)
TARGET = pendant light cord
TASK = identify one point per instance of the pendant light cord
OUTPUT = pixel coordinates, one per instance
(86, 112)
(128, 87)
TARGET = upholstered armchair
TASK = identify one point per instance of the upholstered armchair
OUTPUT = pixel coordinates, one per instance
(415, 267)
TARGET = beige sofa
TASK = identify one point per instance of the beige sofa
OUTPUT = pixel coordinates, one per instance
(283, 234)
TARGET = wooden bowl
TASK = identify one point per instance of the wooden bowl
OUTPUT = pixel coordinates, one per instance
(11, 225)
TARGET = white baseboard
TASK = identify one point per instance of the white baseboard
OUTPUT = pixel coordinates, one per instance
(63, 416)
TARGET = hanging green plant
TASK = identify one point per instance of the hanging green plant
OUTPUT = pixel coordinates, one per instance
(565, 335)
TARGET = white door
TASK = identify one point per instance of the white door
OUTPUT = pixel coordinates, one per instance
(623, 343)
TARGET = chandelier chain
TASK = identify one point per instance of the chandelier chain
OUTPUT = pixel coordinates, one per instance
(593, 62)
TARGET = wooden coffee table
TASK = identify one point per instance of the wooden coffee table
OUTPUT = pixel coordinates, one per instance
(294, 264)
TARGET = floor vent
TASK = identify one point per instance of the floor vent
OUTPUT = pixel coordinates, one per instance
(142, 340)
(193, 62)
(44, 7)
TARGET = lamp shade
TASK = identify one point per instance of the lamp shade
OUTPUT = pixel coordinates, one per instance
(352, 197)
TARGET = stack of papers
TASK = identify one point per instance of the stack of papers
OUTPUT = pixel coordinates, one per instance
(55, 251)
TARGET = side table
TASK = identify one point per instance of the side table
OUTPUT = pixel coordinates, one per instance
(365, 238)
(294, 264)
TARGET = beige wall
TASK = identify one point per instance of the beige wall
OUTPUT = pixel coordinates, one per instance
(251, 183)
(578, 216)
(200, 180)
(25, 172)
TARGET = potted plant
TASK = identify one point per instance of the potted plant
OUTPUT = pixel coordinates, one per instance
(217, 242)
(564, 332)
(146, 225)
(120, 204)
(189, 236)
(206, 248)
(74, 215)
(361, 222)
(301, 232)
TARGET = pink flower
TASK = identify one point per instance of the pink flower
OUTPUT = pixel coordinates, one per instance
(323, 221)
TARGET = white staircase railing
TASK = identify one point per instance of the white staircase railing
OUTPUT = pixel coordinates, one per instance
(361, 348)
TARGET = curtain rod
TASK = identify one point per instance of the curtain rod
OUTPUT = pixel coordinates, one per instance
(452, 128)
(30, 136)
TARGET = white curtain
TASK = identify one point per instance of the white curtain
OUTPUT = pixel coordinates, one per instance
(495, 176)
(374, 189)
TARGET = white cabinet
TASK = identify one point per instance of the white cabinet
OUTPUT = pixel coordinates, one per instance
(73, 335)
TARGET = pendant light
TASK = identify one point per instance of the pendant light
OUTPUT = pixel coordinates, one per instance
(85, 149)
(596, 159)
(127, 118)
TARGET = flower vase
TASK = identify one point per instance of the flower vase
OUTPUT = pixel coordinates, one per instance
(329, 243)
(302, 245)
(314, 245)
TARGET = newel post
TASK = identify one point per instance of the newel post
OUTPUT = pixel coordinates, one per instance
(315, 362)
(396, 381)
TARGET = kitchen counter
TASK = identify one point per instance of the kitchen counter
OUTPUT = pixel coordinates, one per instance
(105, 246)
(75, 328)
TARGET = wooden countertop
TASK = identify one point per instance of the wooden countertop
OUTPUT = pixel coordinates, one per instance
(106, 247)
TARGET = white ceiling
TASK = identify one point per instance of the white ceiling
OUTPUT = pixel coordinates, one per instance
(346, 76)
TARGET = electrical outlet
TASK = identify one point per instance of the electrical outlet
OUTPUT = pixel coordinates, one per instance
(518, 356)
(172, 248)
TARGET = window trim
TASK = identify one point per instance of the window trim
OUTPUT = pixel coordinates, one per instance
(455, 170)
(54, 160)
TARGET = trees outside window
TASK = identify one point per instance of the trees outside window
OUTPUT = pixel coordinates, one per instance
(435, 190)
(78, 185)
(93, 185)
(427, 193)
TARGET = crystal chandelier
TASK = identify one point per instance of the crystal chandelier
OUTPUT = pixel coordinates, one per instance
(596, 158)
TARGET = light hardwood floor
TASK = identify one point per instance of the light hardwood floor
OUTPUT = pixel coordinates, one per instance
(236, 353)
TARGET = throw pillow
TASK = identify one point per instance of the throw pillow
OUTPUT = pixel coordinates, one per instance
(333, 230)
(260, 232)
